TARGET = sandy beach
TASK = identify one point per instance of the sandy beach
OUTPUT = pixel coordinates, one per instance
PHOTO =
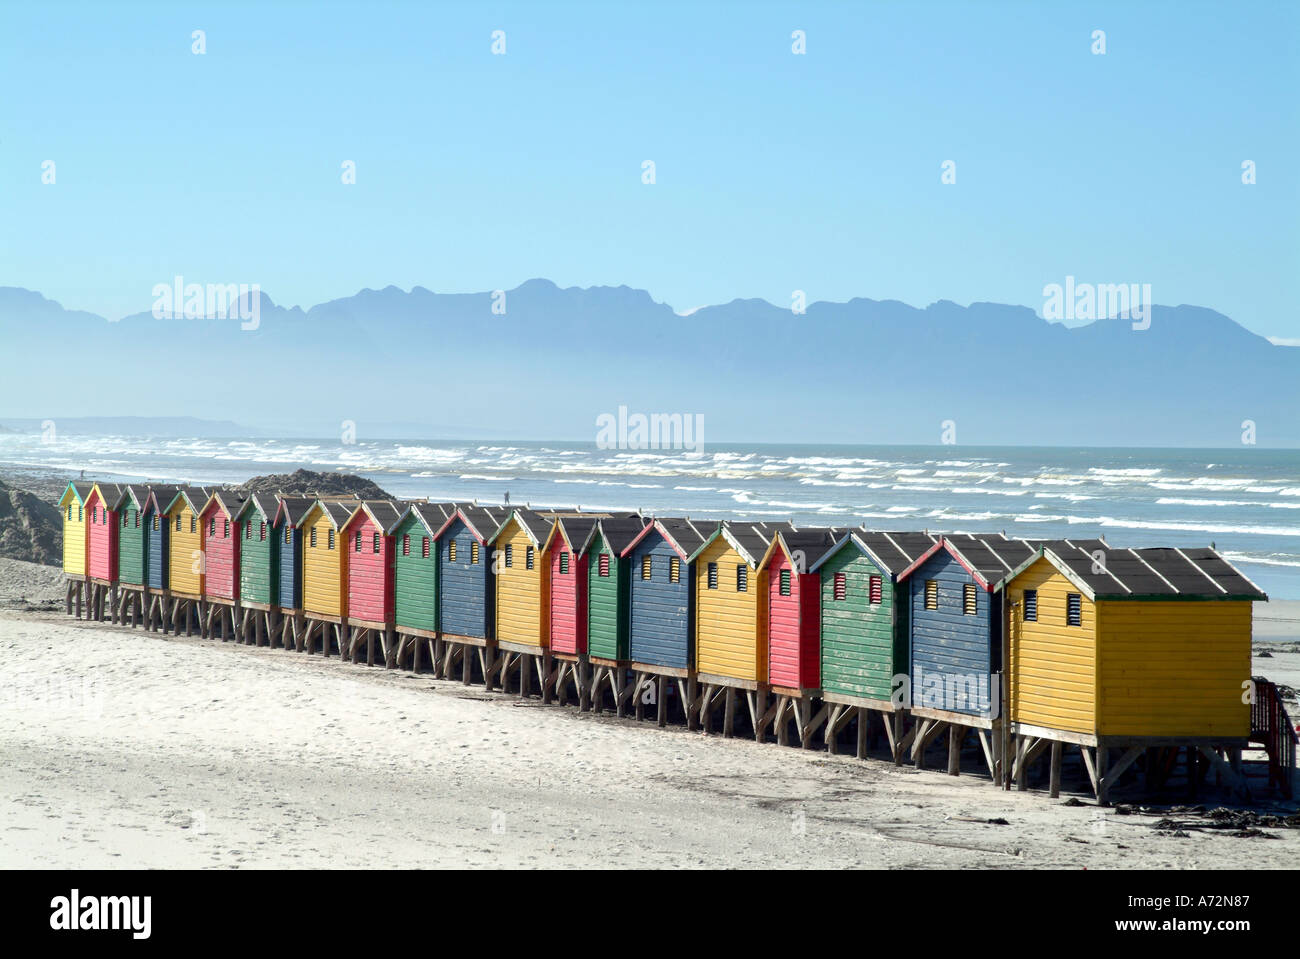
(130, 749)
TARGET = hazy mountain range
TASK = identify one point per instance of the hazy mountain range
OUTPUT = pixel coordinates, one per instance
(430, 365)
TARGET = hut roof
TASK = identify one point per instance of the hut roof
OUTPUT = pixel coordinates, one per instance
(481, 521)
(684, 536)
(813, 542)
(78, 491)
(292, 508)
(893, 552)
(385, 513)
(431, 516)
(750, 540)
(617, 532)
(264, 503)
(162, 495)
(195, 496)
(534, 524)
(991, 560)
(1104, 572)
(576, 530)
(338, 511)
(137, 493)
(110, 493)
(229, 501)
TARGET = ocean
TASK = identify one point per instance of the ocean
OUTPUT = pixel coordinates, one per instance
(1246, 502)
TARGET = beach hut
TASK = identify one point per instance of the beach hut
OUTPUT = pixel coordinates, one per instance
(522, 590)
(369, 569)
(466, 591)
(132, 552)
(415, 581)
(185, 557)
(661, 612)
(73, 507)
(221, 554)
(101, 548)
(259, 569)
(157, 534)
(1129, 654)
(608, 593)
(324, 574)
(288, 559)
(731, 605)
(955, 595)
(863, 635)
(567, 598)
(793, 600)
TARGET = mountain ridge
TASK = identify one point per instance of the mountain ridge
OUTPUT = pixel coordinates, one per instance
(862, 370)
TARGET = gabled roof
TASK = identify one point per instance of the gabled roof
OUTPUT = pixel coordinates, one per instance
(195, 496)
(681, 534)
(481, 521)
(810, 543)
(229, 502)
(265, 503)
(892, 552)
(990, 560)
(384, 513)
(78, 491)
(338, 512)
(573, 530)
(137, 493)
(749, 540)
(1104, 572)
(432, 516)
(110, 494)
(535, 526)
(160, 495)
(292, 509)
(616, 531)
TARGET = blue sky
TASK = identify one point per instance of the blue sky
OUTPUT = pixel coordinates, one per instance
(775, 172)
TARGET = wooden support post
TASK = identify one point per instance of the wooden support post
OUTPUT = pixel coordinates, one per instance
(864, 720)
(661, 693)
(955, 736)
(1058, 752)
(729, 714)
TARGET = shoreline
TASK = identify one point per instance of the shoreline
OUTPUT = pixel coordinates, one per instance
(136, 749)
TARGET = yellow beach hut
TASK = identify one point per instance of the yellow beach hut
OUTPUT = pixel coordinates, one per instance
(1121, 651)
(324, 572)
(731, 618)
(522, 594)
(73, 506)
(185, 557)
